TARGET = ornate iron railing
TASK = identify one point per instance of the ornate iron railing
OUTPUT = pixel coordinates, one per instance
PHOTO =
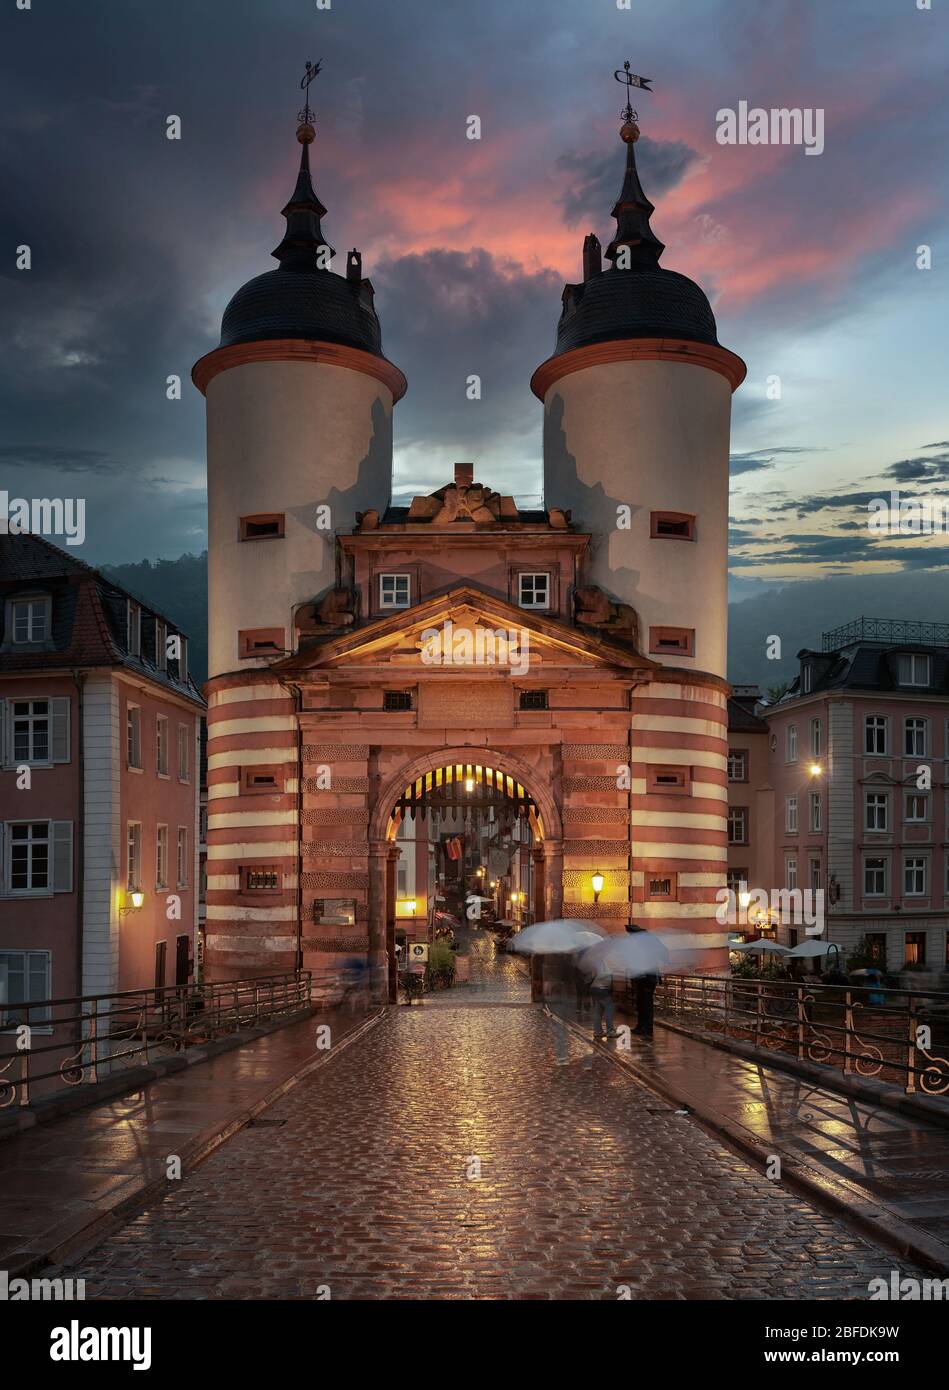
(886, 630)
(52, 1044)
(904, 1039)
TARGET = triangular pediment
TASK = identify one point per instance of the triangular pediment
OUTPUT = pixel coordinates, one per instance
(467, 629)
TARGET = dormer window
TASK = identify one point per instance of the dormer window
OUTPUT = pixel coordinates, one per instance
(806, 680)
(31, 618)
(395, 590)
(161, 661)
(534, 590)
(133, 628)
(915, 669)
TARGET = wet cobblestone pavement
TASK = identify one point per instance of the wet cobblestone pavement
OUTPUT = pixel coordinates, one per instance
(478, 1153)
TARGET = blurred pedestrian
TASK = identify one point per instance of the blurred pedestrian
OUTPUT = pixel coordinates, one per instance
(645, 995)
(601, 995)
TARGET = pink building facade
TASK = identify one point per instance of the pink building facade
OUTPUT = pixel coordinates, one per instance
(858, 769)
(98, 784)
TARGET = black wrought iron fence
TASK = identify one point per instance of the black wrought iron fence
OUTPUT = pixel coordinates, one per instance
(897, 1035)
(50, 1044)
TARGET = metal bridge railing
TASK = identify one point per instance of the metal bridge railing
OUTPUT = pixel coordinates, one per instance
(903, 1040)
(51, 1044)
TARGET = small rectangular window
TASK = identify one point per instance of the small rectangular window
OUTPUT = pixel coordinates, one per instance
(790, 815)
(874, 877)
(161, 745)
(24, 978)
(184, 753)
(915, 950)
(133, 729)
(875, 736)
(161, 640)
(256, 777)
(260, 641)
(790, 747)
(817, 810)
(29, 868)
(534, 590)
(263, 527)
(817, 738)
(182, 861)
(790, 874)
(917, 808)
(660, 886)
(30, 619)
(395, 590)
(674, 779)
(738, 765)
(877, 811)
(738, 825)
(133, 860)
(914, 877)
(672, 641)
(533, 699)
(397, 700)
(915, 669)
(914, 738)
(133, 628)
(161, 857)
(673, 526)
(258, 878)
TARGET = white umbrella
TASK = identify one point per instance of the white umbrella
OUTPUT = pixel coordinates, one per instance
(629, 955)
(763, 945)
(556, 938)
(811, 948)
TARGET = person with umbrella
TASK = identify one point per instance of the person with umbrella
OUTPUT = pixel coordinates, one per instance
(639, 956)
(646, 987)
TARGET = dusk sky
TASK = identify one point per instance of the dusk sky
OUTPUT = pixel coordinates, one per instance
(810, 261)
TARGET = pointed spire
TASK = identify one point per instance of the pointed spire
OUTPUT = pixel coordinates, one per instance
(304, 246)
(632, 211)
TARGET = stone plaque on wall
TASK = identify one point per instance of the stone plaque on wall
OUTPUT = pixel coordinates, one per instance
(466, 705)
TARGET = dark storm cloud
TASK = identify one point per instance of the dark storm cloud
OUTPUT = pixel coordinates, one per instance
(919, 470)
(595, 177)
(758, 459)
(501, 328)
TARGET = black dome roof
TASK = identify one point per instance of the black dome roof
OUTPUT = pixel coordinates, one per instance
(310, 304)
(635, 303)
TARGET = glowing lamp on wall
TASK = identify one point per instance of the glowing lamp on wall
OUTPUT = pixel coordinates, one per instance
(816, 769)
(597, 882)
(133, 898)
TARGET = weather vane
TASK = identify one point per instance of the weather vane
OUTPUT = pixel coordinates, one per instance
(629, 80)
(312, 69)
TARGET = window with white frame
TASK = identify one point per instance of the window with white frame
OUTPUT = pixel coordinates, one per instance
(738, 766)
(182, 856)
(790, 815)
(133, 628)
(814, 866)
(914, 738)
(738, 825)
(35, 731)
(36, 857)
(182, 657)
(790, 754)
(875, 733)
(817, 738)
(161, 653)
(133, 857)
(817, 810)
(395, 590)
(133, 736)
(917, 807)
(874, 876)
(161, 857)
(161, 745)
(29, 857)
(533, 590)
(877, 804)
(915, 669)
(914, 877)
(29, 726)
(30, 618)
(24, 978)
(806, 680)
(790, 872)
(184, 756)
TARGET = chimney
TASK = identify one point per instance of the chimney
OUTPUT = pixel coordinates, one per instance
(464, 474)
(592, 257)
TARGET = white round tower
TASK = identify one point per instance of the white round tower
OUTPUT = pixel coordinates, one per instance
(299, 413)
(637, 407)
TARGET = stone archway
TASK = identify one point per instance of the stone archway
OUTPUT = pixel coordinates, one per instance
(381, 908)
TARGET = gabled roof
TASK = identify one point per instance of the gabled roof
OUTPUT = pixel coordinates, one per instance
(88, 616)
(458, 605)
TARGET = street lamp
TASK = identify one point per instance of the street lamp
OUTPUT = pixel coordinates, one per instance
(133, 898)
(597, 881)
(816, 769)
